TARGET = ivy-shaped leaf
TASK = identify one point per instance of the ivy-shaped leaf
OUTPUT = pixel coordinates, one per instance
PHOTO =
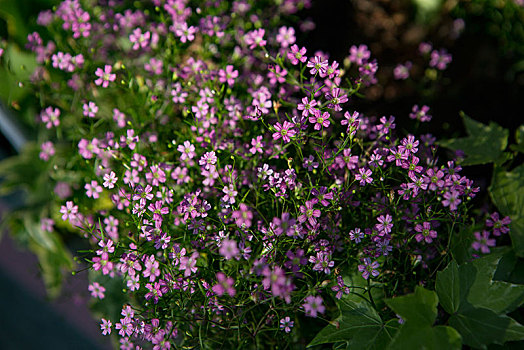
(484, 143)
(519, 138)
(448, 288)
(419, 311)
(481, 327)
(507, 192)
(358, 324)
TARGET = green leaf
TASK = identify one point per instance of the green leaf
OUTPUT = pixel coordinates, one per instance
(519, 137)
(358, 324)
(484, 143)
(418, 308)
(484, 292)
(507, 193)
(414, 337)
(480, 327)
(448, 287)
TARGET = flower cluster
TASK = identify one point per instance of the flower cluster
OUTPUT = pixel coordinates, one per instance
(230, 187)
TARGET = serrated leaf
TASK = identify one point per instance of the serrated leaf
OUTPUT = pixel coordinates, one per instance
(414, 337)
(448, 287)
(418, 308)
(507, 193)
(484, 143)
(480, 327)
(358, 323)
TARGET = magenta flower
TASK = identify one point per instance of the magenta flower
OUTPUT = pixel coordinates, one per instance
(187, 150)
(224, 285)
(139, 39)
(49, 116)
(499, 225)
(440, 59)
(97, 291)
(425, 232)
(336, 97)
(369, 268)
(286, 324)
(384, 226)
(401, 71)
(93, 189)
(69, 211)
(364, 176)
(451, 199)
(230, 194)
(307, 107)
(243, 216)
(420, 114)
(359, 54)
(255, 38)
(308, 213)
(319, 120)
(313, 306)
(110, 180)
(297, 55)
(284, 131)
(151, 268)
(228, 75)
(483, 242)
(105, 326)
(286, 36)
(317, 65)
(90, 109)
(185, 33)
(228, 249)
(208, 160)
(188, 264)
(48, 150)
(104, 76)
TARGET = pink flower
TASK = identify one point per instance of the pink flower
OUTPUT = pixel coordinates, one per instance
(93, 189)
(69, 211)
(224, 285)
(228, 75)
(90, 109)
(49, 116)
(308, 213)
(364, 176)
(255, 38)
(105, 326)
(97, 291)
(313, 305)
(208, 160)
(228, 249)
(139, 39)
(319, 120)
(48, 150)
(286, 36)
(297, 55)
(104, 76)
(110, 180)
(483, 242)
(284, 131)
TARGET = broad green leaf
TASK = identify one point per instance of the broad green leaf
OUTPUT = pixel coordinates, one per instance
(418, 308)
(519, 137)
(359, 324)
(498, 296)
(461, 244)
(481, 327)
(507, 192)
(414, 337)
(484, 143)
(448, 287)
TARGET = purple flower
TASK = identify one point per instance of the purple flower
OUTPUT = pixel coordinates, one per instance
(401, 71)
(440, 59)
(364, 176)
(499, 225)
(255, 38)
(228, 75)
(209, 159)
(286, 36)
(307, 107)
(313, 305)
(228, 249)
(385, 225)
(317, 65)
(188, 264)
(425, 232)
(369, 268)
(483, 242)
(243, 216)
(308, 213)
(224, 285)
(420, 114)
(451, 199)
